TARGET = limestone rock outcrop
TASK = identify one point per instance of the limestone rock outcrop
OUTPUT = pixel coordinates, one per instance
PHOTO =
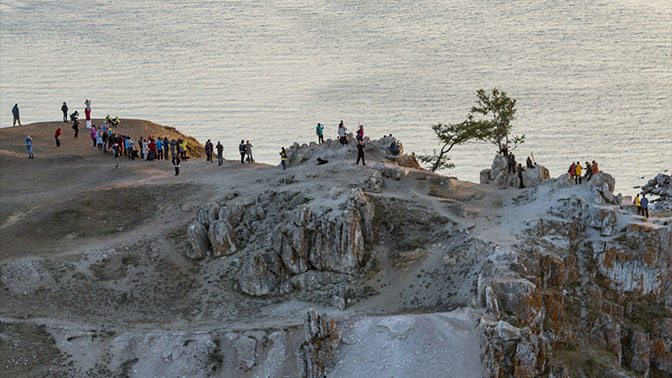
(321, 340)
(283, 234)
(499, 174)
(660, 186)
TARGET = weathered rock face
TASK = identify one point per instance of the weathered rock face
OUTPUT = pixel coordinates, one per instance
(660, 186)
(298, 236)
(500, 175)
(584, 277)
(321, 340)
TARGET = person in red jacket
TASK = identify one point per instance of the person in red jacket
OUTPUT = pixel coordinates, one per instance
(57, 136)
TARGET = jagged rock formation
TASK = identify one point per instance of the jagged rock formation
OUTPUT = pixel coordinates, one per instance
(321, 340)
(562, 289)
(285, 234)
(499, 174)
(660, 186)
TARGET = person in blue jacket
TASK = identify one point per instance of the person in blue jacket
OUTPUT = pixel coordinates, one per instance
(29, 146)
(645, 206)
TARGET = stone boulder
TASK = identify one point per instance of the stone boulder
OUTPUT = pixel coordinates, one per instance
(499, 174)
(222, 237)
(321, 343)
(260, 273)
(197, 235)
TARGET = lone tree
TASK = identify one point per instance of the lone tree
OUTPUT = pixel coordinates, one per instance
(495, 111)
(450, 136)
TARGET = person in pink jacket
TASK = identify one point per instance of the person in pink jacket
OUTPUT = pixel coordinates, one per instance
(360, 133)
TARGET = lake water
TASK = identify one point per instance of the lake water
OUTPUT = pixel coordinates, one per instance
(592, 78)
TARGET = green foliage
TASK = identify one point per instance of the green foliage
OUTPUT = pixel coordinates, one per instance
(489, 121)
(449, 136)
(495, 112)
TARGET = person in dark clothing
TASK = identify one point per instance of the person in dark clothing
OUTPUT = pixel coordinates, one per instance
(176, 164)
(15, 113)
(220, 153)
(512, 164)
(529, 163)
(360, 152)
(242, 148)
(645, 206)
(283, 158)
(64, 109)
(520, 177)
(505, 150)
(173, 145)
(321, 161)
(117, 153)
(589, 171)
(208, 151)
(166, 144)
(75, 126)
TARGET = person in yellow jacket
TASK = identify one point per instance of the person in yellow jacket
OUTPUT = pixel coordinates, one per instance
(183, 148)
(577, 176)
(638, 204)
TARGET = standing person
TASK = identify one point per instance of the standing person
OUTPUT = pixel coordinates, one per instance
(92, 134)
(152, 150)
(248, 151)
(242, 149)
(589, 171)
(220, 153)
(64, 109)
(596, 169)
(166, 144)
(342, 132)
(131, 148)
(87, 112)
(511, 160)
(520, 176)
(283, 158)
(29, 146)
(183, 149)
(75, 126)
(176, 164)
(173, 145)
(105, 137)
(116, 155)
(99, 139)
(528, 162)
(57, 135)
(145, 148)
(645, 207)
(15, 113)
(572, 170)
(360, 133)
(638, 204)
(208, 151)
(360, 152)
(504, 150)
(159, 149)
(577, 171)
(319, 130)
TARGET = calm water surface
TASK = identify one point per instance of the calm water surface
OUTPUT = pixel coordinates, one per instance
(592, 78)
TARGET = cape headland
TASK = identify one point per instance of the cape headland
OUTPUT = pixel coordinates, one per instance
(337, 269)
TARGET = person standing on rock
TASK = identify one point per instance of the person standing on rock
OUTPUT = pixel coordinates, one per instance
(520, 177)
(64, 109)
(57, 136)
(595, 169)
(512, 163)
(342, 130)
(220, 153)
(87, 112)
(283, 158)
(29, 146)
(638, 204)
(15, 113)
(319, 130)
(360, 133)
(360, 152)
(241, 150)
(176, 164)
(645, 207)
(589, 171)
(248, 151)
(529, 163)
(577, 173)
